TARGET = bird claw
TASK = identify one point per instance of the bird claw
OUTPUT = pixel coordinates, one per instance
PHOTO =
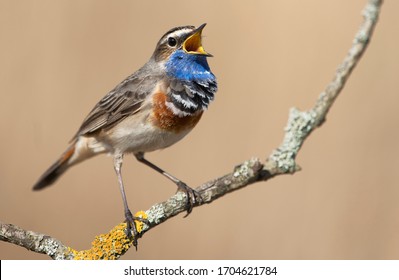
(131, 228)
(193, 197)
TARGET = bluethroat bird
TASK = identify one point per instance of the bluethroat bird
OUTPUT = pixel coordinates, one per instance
(151, 109)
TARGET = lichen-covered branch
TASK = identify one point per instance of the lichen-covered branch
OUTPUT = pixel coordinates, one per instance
(32, 241)
(281, 161)
(301, 124)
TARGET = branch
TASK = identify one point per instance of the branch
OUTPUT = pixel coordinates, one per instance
(281, 161)
(32, 241)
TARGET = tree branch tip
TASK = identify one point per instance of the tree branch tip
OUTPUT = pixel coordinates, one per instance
(371, 10)
(297, 168)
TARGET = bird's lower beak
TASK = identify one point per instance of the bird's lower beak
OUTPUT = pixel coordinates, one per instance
(193, 44)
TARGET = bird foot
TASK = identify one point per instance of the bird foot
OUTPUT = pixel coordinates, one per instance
(131, 229)
(193, 197)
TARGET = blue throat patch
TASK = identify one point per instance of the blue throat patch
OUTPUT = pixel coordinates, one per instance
(188, 67)
(192, 84)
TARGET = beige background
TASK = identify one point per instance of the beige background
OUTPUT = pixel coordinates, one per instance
(58, 58)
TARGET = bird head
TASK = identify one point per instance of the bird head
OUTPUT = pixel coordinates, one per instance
(182, 61)
(186, 39)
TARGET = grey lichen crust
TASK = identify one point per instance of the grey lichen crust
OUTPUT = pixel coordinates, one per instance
(246, 170)
(33, 241)
(299, 126)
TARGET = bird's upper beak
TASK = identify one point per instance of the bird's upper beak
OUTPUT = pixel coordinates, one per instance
(193, 44)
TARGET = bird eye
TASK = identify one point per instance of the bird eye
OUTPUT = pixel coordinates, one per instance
(172, 42)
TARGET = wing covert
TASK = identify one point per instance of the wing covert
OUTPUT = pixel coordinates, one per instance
(125, 100)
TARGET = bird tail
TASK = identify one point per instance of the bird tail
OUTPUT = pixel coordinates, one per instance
(80, 149)
(56, 170)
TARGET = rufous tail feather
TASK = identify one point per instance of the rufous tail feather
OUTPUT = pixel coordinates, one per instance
(55, 170)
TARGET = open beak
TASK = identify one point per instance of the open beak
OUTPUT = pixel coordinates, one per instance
(193, 44)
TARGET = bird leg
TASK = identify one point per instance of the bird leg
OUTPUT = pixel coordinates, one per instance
(131, 225)
(193, 197)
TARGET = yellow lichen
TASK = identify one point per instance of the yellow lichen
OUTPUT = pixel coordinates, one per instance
(140, 225)
(109, 246)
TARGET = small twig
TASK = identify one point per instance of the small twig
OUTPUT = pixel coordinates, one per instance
(281, 161)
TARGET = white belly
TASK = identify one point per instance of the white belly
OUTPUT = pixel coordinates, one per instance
(134, 135)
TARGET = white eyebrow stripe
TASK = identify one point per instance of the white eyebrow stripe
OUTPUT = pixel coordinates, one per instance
(180, 32)
(177, 33)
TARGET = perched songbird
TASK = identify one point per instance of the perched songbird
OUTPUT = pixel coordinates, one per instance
(152, 109)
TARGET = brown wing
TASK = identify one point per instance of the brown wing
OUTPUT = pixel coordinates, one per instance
(125, 100)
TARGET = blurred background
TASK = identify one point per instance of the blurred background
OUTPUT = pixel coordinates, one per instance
(58, 58)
